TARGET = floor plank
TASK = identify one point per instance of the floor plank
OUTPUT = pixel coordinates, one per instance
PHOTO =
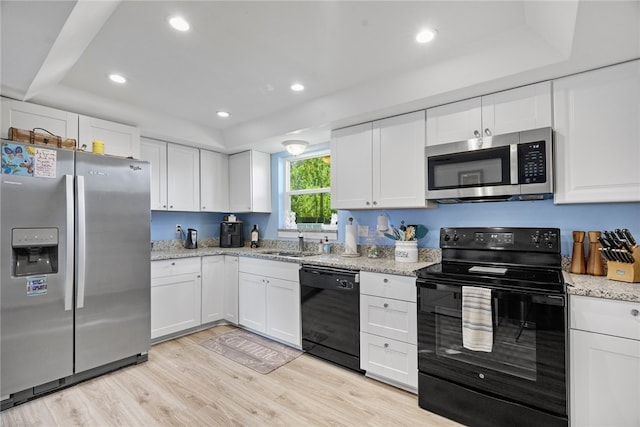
(185, 384)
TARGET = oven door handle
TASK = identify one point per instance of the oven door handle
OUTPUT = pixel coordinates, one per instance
(557, 300)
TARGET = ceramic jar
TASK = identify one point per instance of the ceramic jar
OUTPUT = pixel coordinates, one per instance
(406, 251)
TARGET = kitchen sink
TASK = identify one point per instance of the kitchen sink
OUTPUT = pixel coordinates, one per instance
(289, 254)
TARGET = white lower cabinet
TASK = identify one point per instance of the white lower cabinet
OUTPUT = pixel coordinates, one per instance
(213, 269)
(269, 299)
(388, 329)
(230, 292)
(175, 295)
(604, 362)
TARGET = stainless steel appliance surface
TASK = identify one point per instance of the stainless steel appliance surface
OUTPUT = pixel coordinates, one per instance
(330, 306)
(514, 166)
(518, 373)
(74, 251)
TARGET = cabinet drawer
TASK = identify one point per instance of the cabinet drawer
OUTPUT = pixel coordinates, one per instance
(389, 318)
(617, 318)
(174, 267)
(265, 267)
(391, 359)
(388, 286)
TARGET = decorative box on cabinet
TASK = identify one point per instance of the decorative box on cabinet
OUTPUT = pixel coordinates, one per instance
(175, 296)
(388, 329)
(250, 182)
(269, 299)
(23, 115)
(597, 137)
(119, 140)
(214, 181)
(514, 110)
(604, 362)
(381, 149)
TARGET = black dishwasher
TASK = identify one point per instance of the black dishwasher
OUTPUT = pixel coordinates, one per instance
(330, 306)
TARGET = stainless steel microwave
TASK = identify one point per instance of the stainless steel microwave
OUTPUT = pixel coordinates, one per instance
(514, 166)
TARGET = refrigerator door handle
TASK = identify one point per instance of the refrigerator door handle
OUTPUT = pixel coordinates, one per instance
(68, 285)
(81, 258)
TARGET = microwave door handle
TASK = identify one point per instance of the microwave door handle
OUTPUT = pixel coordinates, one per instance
(513, 163)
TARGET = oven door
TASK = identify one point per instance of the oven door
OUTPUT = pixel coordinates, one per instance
(527, 360)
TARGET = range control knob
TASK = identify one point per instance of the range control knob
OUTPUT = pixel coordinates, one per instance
(455, 237)
(535, 238)
(446, 238)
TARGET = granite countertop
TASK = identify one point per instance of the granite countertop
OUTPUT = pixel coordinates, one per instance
(601, 287)
(377, 265)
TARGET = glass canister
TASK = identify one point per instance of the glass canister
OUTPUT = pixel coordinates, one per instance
(406, 251)
(372, 248)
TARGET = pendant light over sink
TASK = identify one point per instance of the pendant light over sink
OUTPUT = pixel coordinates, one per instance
(295, 147)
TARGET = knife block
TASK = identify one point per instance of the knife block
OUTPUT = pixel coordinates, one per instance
(625, 271)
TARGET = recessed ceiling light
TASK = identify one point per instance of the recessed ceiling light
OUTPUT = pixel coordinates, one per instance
(117, 78)
(179, 23)
(426, 35)
(223, 114)
(297, 87)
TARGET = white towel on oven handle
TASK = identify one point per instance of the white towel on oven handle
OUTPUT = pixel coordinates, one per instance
(477, 327)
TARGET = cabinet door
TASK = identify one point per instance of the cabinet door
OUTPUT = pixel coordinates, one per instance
(389, 359)
(155, 152)
(605, 380)
(175, 304)
(283, 310)
(22, 115)
(252, 298)
(214, 181)
(597, 137)
(454, 122)
(388, 318)
(183, 178)
(398, 161)
(351, 167)
(213, 275)
(231, 289)
(523, 108)
(119, 140)
(240, 191)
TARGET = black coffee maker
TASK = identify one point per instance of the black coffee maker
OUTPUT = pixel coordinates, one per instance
(231, 235)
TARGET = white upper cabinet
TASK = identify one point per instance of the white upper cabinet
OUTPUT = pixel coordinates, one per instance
(22, 115)
(514, 110)
(214, 181)
(379, 164)
(119, 139)
(183, 178)
(155, 152)
(250, 182)
(351, 167)
(597, 135)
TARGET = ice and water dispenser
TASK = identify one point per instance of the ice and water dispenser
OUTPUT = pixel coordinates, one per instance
(35, 251)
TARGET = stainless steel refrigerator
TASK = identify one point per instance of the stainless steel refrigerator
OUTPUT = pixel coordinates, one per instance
(75, 258)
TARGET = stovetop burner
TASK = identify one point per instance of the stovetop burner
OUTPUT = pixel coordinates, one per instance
(522, 258)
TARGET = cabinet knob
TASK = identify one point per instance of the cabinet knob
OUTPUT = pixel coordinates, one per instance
(635, 312)
(476, 134)
(385, 305)
(386, 345)
(367, 203)
(204, 207)
(385, 280)
(164, 206)
(173, 263)
(171, 206)
(375, 203)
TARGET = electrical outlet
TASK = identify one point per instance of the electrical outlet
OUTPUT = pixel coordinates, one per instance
(363, 231)
(178, 228)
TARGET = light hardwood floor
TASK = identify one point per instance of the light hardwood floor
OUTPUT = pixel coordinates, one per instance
(184, 384)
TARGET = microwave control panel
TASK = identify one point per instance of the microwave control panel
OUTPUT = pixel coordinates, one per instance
(532, 163)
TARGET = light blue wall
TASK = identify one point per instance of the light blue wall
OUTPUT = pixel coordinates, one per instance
(509, 214)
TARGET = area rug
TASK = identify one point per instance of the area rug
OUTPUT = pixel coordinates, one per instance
(253, 351)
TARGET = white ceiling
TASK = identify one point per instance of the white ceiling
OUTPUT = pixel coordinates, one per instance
(357, 59)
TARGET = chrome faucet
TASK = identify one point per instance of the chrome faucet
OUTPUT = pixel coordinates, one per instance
(301, 242)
